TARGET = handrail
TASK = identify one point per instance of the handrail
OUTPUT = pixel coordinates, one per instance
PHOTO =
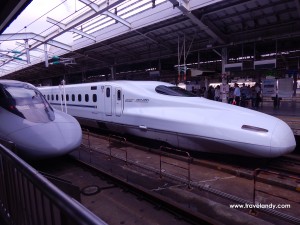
(27, 198)
(9, 144)
(189, 159)
(259, 170)
(84, 130)
(121, 140)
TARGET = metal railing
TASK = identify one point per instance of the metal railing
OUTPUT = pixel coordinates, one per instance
(114, 138)
(27, 198)
(86, 137)
(259, 170)
(188, 162)
(270, 172)
(86, 141)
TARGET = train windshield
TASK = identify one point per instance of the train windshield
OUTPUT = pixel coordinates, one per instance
(174, 91)
(26, 101)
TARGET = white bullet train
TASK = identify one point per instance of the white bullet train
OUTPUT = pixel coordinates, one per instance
(162, 111)
(28, 120)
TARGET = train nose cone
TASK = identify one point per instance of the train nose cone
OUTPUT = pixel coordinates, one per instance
(48, 140)
(283, 140)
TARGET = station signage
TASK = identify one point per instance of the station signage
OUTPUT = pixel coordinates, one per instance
(269, 87)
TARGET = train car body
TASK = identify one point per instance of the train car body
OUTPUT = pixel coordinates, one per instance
(37, 130)
(164, 112)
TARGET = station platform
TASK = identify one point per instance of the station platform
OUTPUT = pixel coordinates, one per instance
(287, 107)
(288, 110)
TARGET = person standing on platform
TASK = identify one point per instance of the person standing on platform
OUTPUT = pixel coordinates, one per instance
(253, 96)
(237, 94)
(243, 95)
(258, 93)
(217, 93)
(230, 95)
(211, 93)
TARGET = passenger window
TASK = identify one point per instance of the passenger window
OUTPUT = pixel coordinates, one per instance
(79, 97)
(67, 97)
(107, 92)
(86, 97)
(119, 95)
(62, 97)
(73, 97)
(56, 97)
(52, 97)
(94, 98)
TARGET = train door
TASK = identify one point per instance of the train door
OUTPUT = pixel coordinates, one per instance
(119, 101)
(108, 100)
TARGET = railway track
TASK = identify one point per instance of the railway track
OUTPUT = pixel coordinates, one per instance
(117, 201)
(224, 183)
(193, 190)
(235, 165)
(289, 164)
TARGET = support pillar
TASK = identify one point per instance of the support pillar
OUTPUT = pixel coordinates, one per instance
(83, 77)
(224, 59)
(198, 60)
(224, 88)
(113, 72)
(46, 55)
(27, 51)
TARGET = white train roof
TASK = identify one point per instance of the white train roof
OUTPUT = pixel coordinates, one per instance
(144, 84)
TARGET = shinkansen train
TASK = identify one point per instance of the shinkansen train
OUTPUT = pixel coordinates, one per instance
(28, 120)
(165, 112)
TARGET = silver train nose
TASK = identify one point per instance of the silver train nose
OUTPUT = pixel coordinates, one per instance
(282, 140)
(47, 139)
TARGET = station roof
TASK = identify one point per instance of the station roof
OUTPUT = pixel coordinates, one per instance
(9, 11)
(247, 28)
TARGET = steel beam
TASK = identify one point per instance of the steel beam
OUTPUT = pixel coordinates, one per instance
(116, 17)
(183, 6)
(63, 26)
(95, 7)
(80, 19)
(33, 36)
(91, 14)
(26, 36)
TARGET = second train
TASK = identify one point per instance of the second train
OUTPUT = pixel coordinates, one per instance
(165, 112)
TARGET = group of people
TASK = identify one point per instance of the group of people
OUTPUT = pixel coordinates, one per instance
(244, 96)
